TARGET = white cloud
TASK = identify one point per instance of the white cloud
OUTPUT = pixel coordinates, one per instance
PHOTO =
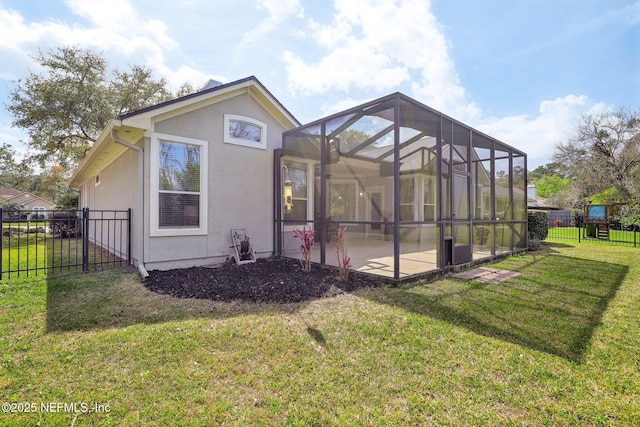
(343, 69)
(345, 104)
(18, 40)
(278, 12)
(119, 18)
(379, 45)
(537, 136)
(116, 31)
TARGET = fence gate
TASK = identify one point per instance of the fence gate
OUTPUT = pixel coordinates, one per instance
(52, 241)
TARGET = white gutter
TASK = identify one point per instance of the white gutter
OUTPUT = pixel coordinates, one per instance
(114, 136)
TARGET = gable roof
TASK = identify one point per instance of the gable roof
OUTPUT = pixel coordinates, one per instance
(131, 127)
(28, 195)
(214, 90)
(6, 193)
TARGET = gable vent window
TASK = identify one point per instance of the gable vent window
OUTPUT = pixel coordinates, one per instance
(245, 131)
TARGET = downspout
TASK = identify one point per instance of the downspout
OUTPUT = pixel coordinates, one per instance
(277, 202)
(141, 267)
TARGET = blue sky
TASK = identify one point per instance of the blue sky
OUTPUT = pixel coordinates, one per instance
(523, 71)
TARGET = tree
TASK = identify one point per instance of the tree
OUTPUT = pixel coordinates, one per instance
(14, 174)
(53, 183)
(550, 184)
(604, 153)
(606, 197)
(67, 200)
(136, 89)
(65, 108)
(629, 215)
(552, 168)
(569, 198)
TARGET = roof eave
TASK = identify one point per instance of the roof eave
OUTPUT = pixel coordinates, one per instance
(103, 152)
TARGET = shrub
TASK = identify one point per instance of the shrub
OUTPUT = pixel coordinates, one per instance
(577, 218)
(306, 244)
(64, 224)
(538, 225)
(534, 244)
(340, 249)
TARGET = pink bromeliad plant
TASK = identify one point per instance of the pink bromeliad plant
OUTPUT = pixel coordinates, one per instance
(306, 244)
(340, 249)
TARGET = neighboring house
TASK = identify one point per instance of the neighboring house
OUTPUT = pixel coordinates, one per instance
(417, 191)
(190, 169)
(536, 202)
(8, 192)
(23, 203)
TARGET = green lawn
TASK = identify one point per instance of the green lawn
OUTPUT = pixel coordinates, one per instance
(36, 254)
(572, 233)
(559, 345)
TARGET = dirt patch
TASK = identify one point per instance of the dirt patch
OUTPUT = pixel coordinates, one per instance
(267, 281)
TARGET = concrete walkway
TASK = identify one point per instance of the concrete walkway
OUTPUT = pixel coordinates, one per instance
(491, 276)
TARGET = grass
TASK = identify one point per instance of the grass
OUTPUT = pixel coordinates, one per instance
(23, 224)
(39, 253)
(559, 345)
(572, 233)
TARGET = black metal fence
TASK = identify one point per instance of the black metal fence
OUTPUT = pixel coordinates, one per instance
(64, 240)
(562, 226)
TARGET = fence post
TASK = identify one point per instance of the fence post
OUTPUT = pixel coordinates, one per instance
(579, 233)
(85, 239)
(128, 237)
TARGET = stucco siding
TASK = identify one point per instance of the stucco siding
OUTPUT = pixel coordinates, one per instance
(118, 190)
(118, 187)
(239, 186)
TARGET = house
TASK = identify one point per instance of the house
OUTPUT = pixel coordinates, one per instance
(23, 203)
(191, 169)
(536, 202)
(416, 190)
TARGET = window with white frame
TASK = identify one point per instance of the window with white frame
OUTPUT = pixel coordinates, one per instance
(343, 200)
(428, 201)
(38, 212)
(245, 131)
(407, 198)
(178, 181)
(298, 173)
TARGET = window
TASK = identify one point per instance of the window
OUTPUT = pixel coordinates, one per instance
(98, 179)
(299, 176)
(38, 212)
(343, 200)
(407, 197)
(245, 131)
(429, 208)
(178, 181)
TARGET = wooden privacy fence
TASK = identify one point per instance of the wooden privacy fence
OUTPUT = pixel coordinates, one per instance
(63, 240)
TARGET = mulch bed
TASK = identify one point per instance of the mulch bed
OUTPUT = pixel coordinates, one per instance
(272, 280)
